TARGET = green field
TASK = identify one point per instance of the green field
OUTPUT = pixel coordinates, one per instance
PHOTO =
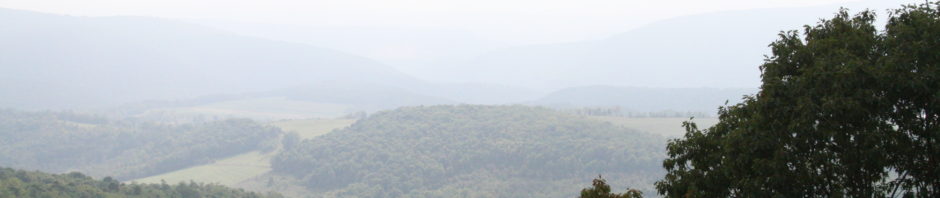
(311, 128)
(240, 168)
(668, 127)
(229, 171)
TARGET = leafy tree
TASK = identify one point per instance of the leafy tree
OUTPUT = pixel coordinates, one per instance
(600, 189)
(290, 140)
(843, 111)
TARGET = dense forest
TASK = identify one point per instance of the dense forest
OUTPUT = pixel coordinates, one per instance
(63, 141)
(471, 151)
(19, 183)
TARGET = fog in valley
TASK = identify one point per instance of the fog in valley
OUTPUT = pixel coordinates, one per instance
(369, 98)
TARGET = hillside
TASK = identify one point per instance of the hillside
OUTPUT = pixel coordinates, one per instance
(471, 151)
(241, 170)
(669, 127)
(61, 142)
(19, 183)
(68, 62)
(75, 62)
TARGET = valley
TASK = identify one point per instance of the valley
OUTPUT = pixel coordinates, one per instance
(470, 99)
(253, 170)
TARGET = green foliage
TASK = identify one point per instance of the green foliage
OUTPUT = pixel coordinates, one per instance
(844, 111)
(471, 151)
(18, 183)
(600, 189)
(59, 142)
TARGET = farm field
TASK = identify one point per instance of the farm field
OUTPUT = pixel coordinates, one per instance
(311, 128)
(668, 127)
(229, 171)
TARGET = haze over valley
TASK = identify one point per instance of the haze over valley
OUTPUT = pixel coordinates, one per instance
(371, 98)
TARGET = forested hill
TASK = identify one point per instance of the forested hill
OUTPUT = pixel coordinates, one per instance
(61, 141)
(472, 151)
(19, 183)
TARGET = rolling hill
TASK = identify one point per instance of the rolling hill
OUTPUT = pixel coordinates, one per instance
(470, 151)
(61, 142)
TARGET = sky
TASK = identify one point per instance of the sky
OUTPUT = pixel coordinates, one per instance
(509, 21)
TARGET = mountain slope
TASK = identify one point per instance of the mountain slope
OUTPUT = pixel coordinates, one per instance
(722, 49)
(66, 62)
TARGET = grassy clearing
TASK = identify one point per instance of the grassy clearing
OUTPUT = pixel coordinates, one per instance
(668, 127)
(311, 128)
(235, 170)
(229, 171)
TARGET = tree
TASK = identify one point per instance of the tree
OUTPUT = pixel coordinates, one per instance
(600, 189)
(290, 140)
(844, 110)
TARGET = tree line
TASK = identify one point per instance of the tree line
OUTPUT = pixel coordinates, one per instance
(65, 141)
(19, 183)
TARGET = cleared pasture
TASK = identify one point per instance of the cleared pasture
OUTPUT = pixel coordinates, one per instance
(311, 128)
(229, 171)
(668, 127)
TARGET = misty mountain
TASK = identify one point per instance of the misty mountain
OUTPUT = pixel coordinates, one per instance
(372, 97)
(56, 61)
(689, 51)
(410, 49)
(636, 99)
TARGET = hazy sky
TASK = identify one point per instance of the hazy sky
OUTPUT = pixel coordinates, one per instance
(437, 41)
(512, 21)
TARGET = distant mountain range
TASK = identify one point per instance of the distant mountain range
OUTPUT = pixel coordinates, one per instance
(722, 49)
(67, 62)
(64, 61)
